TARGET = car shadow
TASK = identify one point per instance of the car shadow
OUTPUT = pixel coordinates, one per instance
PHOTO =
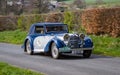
(94, 56)
(73, 57)
(77, 57)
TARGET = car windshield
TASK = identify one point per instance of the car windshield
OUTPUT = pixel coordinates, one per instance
(56, 28)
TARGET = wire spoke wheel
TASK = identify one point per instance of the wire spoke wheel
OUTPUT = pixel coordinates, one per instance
(28, 48)
(54, 51)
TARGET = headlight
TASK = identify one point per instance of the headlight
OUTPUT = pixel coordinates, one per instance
(66, 37)
(82, 36)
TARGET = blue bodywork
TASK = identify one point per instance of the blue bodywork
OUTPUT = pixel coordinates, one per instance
(32, 35)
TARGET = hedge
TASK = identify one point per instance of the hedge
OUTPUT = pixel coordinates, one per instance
(24, 21)
(102, 21)
(8, 23)
(92, 21)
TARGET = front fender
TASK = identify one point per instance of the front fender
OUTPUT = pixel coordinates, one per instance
(31, 42)
(88, 42)
(59, 43)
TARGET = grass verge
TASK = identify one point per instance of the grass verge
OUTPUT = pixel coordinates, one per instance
(6, 69)
(15, 37)
(94, 1)
(104, 45)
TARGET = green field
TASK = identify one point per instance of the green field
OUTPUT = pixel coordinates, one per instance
(104, 45)
(6, 69)
(106, 1)
(93, 1)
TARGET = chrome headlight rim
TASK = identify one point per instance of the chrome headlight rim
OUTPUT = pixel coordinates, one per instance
(82, 35)
(66, 37)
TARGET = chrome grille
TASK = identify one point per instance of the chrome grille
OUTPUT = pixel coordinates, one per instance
(73, 41)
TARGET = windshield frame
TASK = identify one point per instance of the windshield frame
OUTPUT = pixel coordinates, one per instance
(64, 31)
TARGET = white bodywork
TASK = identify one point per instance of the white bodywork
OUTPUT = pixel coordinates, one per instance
(40, 43)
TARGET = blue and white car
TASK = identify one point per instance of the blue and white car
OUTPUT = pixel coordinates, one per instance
(55, 39)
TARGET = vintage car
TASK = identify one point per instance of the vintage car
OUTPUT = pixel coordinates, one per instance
(55, 39)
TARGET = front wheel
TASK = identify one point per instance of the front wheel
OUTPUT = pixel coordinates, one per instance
(54, 51)
(87, 53)
(28, 48)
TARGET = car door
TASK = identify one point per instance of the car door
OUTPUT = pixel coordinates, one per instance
(39, 41)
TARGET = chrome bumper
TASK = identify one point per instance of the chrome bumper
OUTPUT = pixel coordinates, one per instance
(67, 49)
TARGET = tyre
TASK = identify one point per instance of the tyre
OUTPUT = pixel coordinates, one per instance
(28, 48)
(87, 53)
(54, 51)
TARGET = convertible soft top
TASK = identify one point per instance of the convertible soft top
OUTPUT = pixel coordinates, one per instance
(43, 24)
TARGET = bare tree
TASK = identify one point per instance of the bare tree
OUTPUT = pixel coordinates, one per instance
(42, 5)
(0, 5)
(3, 7)
(21, 7)
(16, 7)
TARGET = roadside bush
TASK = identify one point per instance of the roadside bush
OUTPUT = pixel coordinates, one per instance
(20, 23)
(54, 17)
(102, 21)
(68, 19)
(92, 21)
(73, 19)
(77, 22)
(24, 22)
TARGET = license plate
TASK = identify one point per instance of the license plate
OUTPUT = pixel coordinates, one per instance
(77, 52)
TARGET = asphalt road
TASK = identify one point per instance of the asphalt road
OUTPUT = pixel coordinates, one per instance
(67, 65)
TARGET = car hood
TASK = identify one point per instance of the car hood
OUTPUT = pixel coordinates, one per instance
(61, 36)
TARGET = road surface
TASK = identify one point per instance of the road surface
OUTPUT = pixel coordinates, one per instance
(68, 65)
